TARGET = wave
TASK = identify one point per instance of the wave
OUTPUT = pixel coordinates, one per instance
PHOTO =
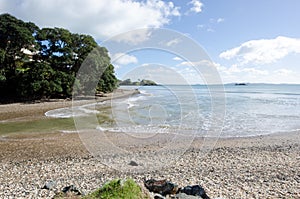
(69, 112)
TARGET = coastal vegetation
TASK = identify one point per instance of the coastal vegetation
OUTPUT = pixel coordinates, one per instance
(40, 63)
(143, 82)
(117, 189)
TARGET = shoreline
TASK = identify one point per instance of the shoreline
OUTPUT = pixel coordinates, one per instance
(265, 166)
(34, 110)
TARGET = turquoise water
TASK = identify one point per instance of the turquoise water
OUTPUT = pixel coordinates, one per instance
(254, 109)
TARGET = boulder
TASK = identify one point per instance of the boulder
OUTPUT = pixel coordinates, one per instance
(72, 189)
(133, 163)
(195, 190)
(49, 185)
(162, 187)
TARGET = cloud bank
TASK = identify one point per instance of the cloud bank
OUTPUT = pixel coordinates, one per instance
(102, 19)
(263, 51)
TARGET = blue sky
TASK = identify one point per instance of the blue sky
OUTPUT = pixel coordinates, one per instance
(247, 41)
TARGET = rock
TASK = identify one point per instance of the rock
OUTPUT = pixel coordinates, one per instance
(72, 189)
(185, 196)
(162, 187)
(158, 196)
(195, 190)
(133, 163)
(69, 192)
(49, 185)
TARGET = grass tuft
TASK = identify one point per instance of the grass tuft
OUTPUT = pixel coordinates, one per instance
(118, 189)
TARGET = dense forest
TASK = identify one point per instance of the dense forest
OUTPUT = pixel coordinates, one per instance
(40, 63)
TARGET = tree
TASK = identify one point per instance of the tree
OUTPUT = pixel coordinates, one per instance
(82, 45)
(15, 35)
(39, 63)
(93, 68)
(55, 47)
(108, 80)
(40, 81)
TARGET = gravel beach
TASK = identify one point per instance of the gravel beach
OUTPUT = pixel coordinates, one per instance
(252, 167)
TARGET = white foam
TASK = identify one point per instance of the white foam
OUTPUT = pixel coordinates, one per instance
(100, 128)
(143, 92)
(60, 113)
(68, 131)
(77, 111)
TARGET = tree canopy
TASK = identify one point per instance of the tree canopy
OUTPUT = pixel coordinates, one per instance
(43, 63)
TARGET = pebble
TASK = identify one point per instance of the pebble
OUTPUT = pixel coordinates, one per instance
(233, 176)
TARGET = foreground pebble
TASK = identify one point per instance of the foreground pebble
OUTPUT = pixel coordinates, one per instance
(227, 173)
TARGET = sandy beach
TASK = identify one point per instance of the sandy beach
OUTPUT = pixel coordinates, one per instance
(252, 167)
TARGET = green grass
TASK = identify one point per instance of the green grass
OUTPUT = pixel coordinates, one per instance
(118, 189)
(37, 126)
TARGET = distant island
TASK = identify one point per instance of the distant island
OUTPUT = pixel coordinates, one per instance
(240, 84)
(143, 82)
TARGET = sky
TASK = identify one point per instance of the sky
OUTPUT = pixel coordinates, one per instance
(247, 41)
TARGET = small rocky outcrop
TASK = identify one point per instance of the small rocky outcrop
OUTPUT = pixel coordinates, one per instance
(69, 192)
(164, 189)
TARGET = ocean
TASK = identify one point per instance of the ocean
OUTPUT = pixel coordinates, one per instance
(225, 111)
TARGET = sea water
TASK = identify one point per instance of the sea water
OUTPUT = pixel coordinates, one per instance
(234, 110)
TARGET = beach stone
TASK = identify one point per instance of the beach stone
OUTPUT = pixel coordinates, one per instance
(162, 187)
(185, 196)
(49, 185)
(69, 192)
(133, 163)
(195, 190)
(72, 189)
(158, 196)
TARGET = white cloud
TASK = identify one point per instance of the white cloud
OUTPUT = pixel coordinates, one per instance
(177, 59)
(173, 42)
(198, 63)
(124, 59)
(200, 26)
(196, 6)
(210, 30)
(134, 37)
(283, 72)
(220, 20)
(263, 51)
(102, 19)
(237, 71)
(210, 27)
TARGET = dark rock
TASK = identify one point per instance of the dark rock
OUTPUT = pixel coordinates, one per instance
(69, 192)
(195, 190)
(133, 163)
(72, 189)
(49, 185)
(162, 187)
